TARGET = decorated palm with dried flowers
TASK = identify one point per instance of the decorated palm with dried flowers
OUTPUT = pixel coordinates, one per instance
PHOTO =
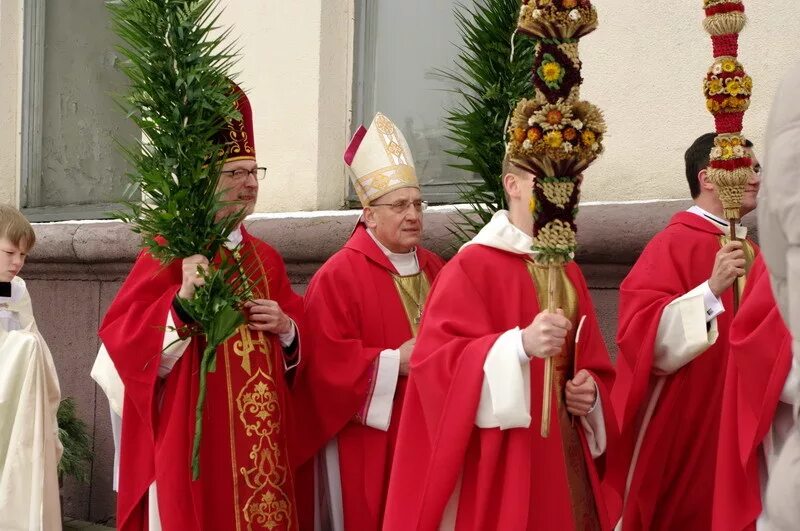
(727, 89)
(556, 136)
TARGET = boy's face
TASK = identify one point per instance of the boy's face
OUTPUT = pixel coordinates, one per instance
(12, 258)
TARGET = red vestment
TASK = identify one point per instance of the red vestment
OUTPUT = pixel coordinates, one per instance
(509, 479)
(759, 362)
(673, 481)
(245, 478)
(357, 313)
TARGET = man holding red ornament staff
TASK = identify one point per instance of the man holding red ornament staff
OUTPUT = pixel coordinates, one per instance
(676, 307)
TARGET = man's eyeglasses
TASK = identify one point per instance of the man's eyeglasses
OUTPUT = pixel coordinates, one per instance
(398, 207)
(241, 174)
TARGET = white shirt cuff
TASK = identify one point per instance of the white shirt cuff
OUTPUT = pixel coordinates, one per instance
(287, 338)
(172, 347)
(713, 304)
(381, 401)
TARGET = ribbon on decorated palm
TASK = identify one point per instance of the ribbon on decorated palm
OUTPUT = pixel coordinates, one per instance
(727, 89)
(555, 135)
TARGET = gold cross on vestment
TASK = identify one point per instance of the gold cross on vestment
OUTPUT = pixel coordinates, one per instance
(246, 346)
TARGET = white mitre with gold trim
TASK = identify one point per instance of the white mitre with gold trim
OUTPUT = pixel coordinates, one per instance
(380, 160)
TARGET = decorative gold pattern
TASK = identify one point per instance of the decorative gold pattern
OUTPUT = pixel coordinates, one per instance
(413, 292)
(259, 411)
(558, 193)
(584, 511)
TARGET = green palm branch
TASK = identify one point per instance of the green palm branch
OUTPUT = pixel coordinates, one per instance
(489, 83)
(179, 69)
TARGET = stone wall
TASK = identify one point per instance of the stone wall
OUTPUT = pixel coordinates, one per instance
(77, 268)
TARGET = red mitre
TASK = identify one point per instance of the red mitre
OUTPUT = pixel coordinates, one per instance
(237, 136)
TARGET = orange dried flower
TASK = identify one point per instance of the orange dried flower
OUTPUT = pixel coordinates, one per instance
(534, 134)
(554, 117)
(570, 134)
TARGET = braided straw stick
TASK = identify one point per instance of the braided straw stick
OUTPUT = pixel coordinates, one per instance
(727, 89)
(555, 135)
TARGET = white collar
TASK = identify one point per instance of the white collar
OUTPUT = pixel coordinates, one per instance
(741, 230)
(501, 234)
(391, 255)
(234, 238)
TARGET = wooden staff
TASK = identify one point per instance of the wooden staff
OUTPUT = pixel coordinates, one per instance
(547, 388)
(736, 280)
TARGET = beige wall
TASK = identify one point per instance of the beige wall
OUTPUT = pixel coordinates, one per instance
(644, 67)
(10, 81)
(295, 66)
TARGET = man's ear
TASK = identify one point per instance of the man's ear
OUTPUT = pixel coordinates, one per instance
(511, 185)
(705, 183)
(369, 218)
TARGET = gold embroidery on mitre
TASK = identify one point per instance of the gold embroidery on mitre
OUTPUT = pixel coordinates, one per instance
(381, 182)
(270, 505)
(384, 125)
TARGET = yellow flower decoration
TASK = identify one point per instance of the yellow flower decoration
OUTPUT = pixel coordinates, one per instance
(552, 72)
(714, 86)
(532, 205)
(727, 152)
(519, 134)
(712, 105)
(733, 87)
(588, 137)
(554, 139)
(728, 66)
(736, 141)
(747, 83)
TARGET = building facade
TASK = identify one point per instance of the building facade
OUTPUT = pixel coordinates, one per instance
(314, 71)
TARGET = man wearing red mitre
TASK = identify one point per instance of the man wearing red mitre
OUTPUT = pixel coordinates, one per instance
(246, 479)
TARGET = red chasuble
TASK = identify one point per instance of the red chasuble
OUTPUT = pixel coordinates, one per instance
(673, 483)
(245, 478)
(759, 362)
(509, 479)
(357, 313)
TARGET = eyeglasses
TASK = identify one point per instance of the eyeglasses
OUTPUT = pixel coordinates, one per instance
(398, 207)
(241, 174)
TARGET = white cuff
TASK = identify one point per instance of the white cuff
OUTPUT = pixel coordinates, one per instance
(683, 332)
(713, 304)
(105, 374)
(288, 338)
(594, 426)
(379, 411)
(172, 348)
(505, 401)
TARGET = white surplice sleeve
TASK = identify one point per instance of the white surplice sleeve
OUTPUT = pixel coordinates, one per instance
(687, 328)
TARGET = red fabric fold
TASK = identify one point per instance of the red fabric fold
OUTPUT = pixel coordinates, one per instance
(511, 479)
(760, 360)
(672, 485)
(158, 424)
(357, 313)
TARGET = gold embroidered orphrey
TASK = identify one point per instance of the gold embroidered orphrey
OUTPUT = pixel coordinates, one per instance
(264, 470)
(584, 510)
(413, 305)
